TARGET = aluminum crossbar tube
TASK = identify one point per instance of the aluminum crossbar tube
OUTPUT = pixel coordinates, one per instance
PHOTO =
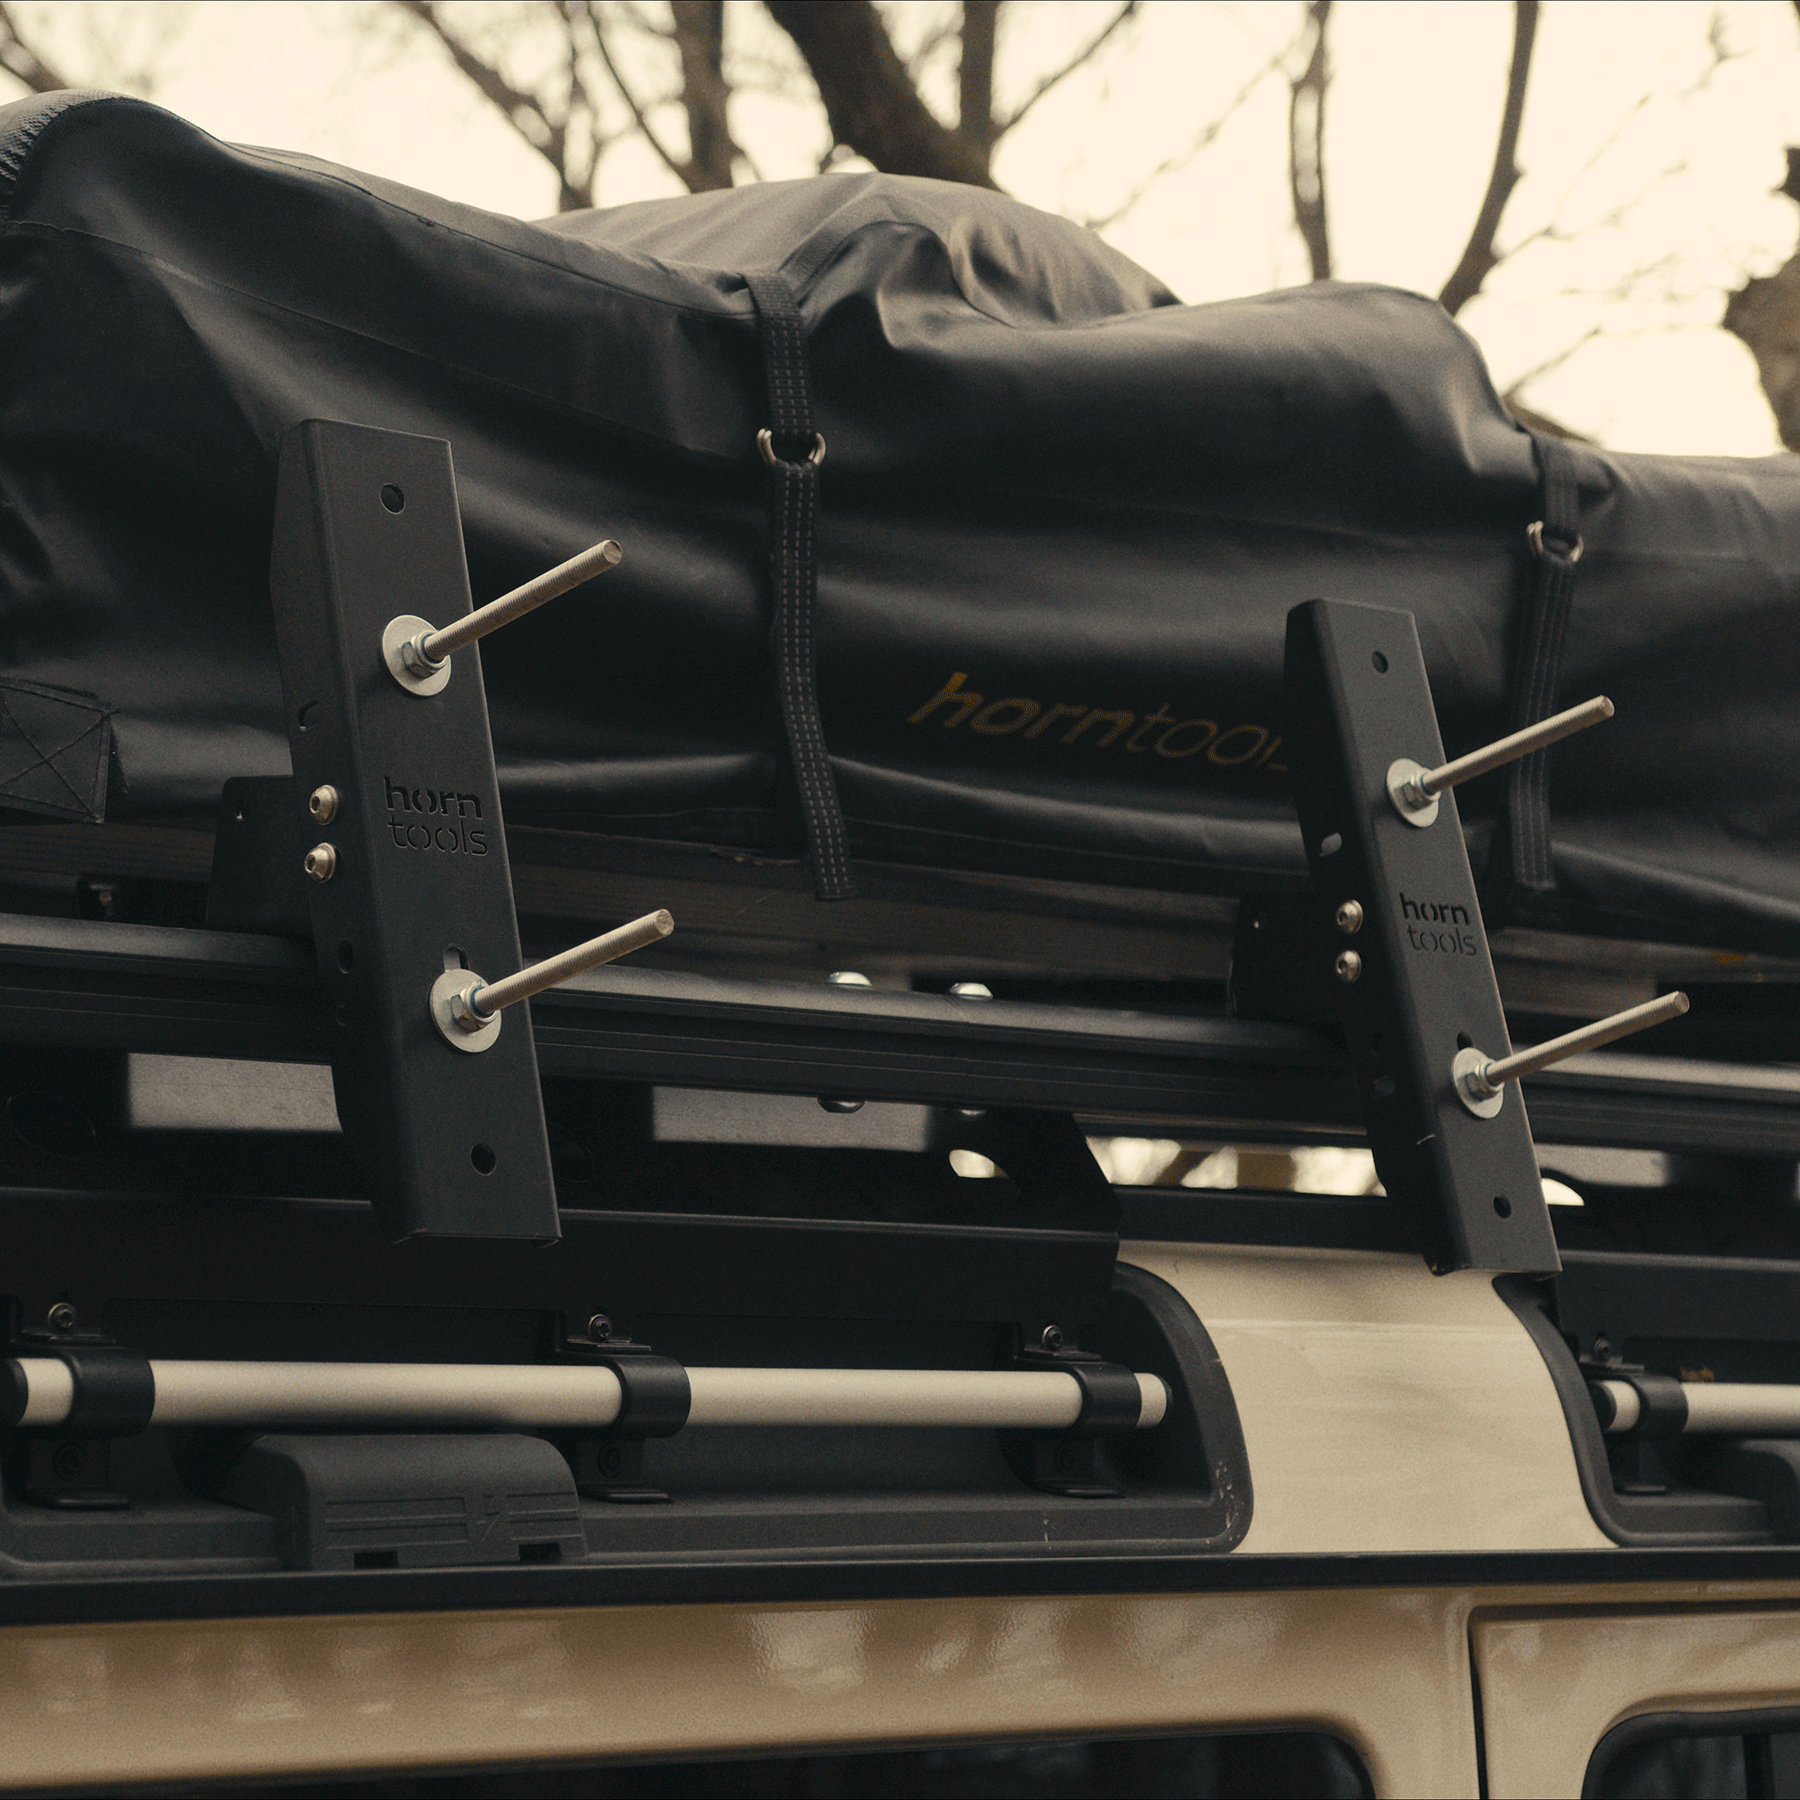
(1005, 1399)
(1741, 1408)
(482, 1396)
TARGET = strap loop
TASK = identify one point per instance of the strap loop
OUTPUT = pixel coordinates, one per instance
(793, 503)
(1521, 862)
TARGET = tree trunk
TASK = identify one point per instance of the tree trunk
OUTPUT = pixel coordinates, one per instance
(700, 36)
(975, 123)
(869, 98)
(1306, 146)
(1765, 313)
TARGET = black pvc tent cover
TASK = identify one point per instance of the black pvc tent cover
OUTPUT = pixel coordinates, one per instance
(1064, 518)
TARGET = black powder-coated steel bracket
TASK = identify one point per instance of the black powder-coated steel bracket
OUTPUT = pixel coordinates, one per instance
(367, 528)
(1418, 983)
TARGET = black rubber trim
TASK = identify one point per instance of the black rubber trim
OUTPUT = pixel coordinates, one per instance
(1202, 1407)
(595, 1584)
(15, 1392)
(1245, 1216)
(1633, 1520)
(1652, 1727)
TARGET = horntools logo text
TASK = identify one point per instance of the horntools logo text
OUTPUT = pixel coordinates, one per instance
(1446, 916)
(424, 818)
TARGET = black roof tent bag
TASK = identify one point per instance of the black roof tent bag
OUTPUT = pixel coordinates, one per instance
(1064, 519)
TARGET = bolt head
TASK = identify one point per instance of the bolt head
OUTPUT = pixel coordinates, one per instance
(323, 803)
(1348, 965)
(599, 1328)
(1350, 917)
(321, 862)
(1053, 1337)
(61, 1317)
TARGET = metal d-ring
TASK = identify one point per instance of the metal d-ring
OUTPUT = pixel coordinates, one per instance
(765, 443)
(1534, 536)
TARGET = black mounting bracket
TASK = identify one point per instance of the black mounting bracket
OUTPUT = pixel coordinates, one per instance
(654, 1398)
(1411, 972)
(1064, 1462)
(409, 878)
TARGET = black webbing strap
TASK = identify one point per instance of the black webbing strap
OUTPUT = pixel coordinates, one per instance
(1555, 543)
(792, 451)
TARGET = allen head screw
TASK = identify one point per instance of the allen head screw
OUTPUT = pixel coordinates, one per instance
(321, 862)
(323, 804)
(599, 1328)
(1350, 917)
(61, 1317)
(1053, 1337)
(1348, 965)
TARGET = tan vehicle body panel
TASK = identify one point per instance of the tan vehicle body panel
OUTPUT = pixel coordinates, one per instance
(232, 1699)
(1556, 1676)
(1387, 1670)
(1384, 1409)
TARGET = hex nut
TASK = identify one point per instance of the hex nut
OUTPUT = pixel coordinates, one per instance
(321, 862)
(323, 803)
(1348, 965)
(1350, 917)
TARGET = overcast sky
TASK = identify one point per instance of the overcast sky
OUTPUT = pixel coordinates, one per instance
(1653, 137)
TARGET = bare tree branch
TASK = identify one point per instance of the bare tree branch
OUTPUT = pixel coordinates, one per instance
(934, 40)
(870, 101)
(1127, 9)
(633, 104)
(975, 77)
(526, 113)
(19, 60)
(1306, 145)
(1202, 139)
(1479, 256)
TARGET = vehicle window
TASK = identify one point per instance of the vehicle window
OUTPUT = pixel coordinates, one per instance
(1240, 1766)
(1697, 1758)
